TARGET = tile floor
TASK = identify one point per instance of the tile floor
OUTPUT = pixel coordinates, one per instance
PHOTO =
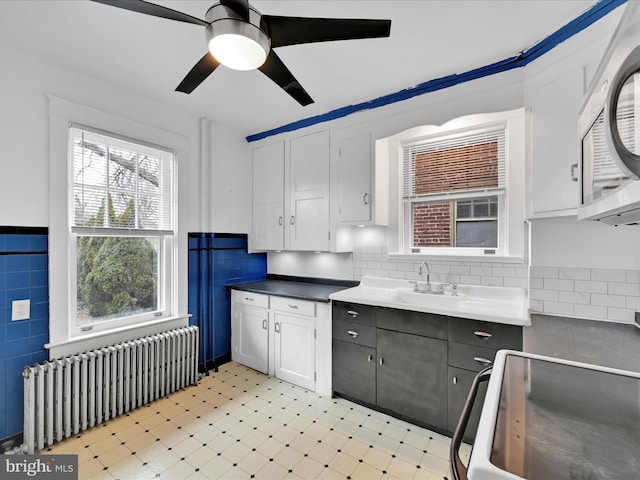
(240, 424)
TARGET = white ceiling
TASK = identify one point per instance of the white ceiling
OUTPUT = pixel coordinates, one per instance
(429, 39)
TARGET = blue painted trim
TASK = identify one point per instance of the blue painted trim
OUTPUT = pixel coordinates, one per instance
(588, 18)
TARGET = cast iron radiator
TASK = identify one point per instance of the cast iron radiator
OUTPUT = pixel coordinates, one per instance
(70, 394)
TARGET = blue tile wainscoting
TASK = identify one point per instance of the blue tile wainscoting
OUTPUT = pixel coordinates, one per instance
(24, 274)
(216, 260)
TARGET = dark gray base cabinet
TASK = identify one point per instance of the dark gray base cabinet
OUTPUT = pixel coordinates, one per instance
(356, 377)
(418, 366)
(411, 375)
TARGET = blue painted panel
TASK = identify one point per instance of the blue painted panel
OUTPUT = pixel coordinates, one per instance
(216, 260)
(23, 275)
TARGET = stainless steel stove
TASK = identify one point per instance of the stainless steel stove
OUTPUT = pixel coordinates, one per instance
(549, 419)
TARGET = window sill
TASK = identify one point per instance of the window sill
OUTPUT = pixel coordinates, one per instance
(83, 343)
(458, 258)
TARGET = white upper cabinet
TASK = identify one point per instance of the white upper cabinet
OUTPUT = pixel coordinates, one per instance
(554, 145)
(268, 197)
(354, 179)
(309, 193)
(291, 194)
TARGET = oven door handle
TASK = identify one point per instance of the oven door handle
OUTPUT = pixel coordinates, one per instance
(458, 468)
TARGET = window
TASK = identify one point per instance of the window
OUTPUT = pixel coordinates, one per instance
(121, 228)
(456, 189)
(453, 191)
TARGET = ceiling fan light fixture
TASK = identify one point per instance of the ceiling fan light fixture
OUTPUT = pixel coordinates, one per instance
(237, 51)
(235, 42)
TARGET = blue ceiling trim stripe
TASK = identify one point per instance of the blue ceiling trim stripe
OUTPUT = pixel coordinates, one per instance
(589, 17)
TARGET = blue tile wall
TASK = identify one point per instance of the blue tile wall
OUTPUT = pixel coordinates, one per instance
(24, 274)
(216, 260)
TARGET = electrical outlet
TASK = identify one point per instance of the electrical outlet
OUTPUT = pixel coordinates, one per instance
(20, 309)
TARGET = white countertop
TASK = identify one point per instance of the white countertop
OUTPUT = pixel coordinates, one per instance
(507, 305)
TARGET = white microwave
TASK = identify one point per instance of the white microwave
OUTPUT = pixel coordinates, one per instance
(609, 126)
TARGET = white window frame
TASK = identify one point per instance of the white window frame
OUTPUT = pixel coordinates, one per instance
(511, 211)
(65, 338)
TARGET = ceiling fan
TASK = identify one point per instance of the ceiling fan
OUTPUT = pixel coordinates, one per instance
(240, 37)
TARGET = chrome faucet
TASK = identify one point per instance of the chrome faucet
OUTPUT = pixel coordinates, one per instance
(427, 286)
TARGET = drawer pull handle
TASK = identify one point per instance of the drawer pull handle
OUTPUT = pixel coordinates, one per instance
(482, 335)
(353, 313)
(264, 324)
(482, 360)
(248, 299)
(353, 333)
(277, 327)
(293, 307)
(369, 358)
(381, 361)
(454, 380)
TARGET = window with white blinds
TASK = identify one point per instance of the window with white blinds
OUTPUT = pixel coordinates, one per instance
(463, 163)
(120, 184)
(122, 229)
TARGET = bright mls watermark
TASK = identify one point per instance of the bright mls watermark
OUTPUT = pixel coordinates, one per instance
(51, 467)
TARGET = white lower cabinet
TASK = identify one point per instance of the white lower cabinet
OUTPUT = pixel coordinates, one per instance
(295, 350)
(287, 338)
(250, 330)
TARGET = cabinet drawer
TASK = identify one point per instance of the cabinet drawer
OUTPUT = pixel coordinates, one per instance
(293, 305)
(354, 333)
(354, 312)
(470, 357)
(408, 321)
(485, 334)
(250, 298)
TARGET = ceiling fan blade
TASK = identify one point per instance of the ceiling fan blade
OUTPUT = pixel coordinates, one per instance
(280, 74)
(241, 7)
(295, 30)
(201, 70)
(147, 8)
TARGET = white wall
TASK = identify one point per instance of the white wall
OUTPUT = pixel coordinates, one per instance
(26, 82)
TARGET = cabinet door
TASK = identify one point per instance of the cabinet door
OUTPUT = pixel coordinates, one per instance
(268, 197)
(412, 376)
(554, 133)
(308, 221)
(295, 350)
(354, 371)
(459, 384)
(354, 184)
(250, 334)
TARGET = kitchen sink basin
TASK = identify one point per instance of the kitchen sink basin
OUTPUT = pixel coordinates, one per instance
(496, 304)
(426, 299)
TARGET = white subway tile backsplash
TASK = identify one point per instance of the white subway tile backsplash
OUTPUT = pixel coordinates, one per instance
(536, 306)
(633, 303)
(470, 279)
(630, 289)
(557, 284)
(574, 273)
(608, 275)
(590, 286)
(492, 281)
(620, 314)
(608, 300)
(545, 295)
(574, 297)
(504, 272)
(603, 294)
(557, 308)
(633, 276)
(536, 283)
(544, 272)
(480, 271)
(515, 282)
(590, 311)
